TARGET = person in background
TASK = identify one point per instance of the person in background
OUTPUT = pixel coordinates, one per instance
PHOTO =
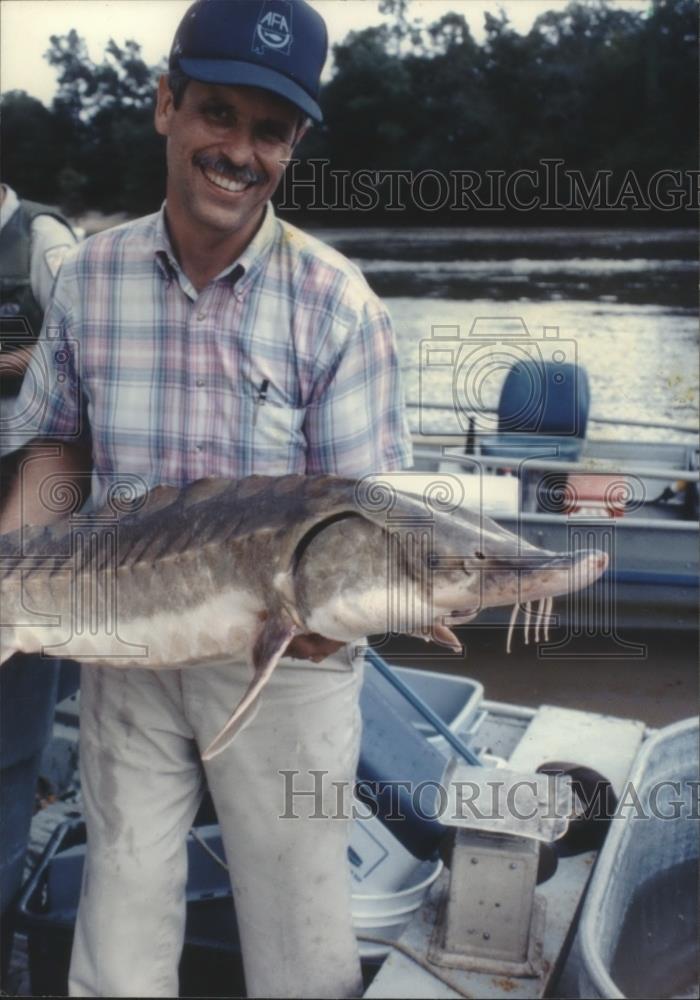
(34, 240)
(213, 339)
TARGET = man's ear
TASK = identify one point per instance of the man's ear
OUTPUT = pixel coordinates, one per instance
(165, 106)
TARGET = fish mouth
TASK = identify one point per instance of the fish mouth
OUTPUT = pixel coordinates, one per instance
(460, 617)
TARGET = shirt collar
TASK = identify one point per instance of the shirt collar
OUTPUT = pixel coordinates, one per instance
(242, 270)
(9, 206)
(257, 250)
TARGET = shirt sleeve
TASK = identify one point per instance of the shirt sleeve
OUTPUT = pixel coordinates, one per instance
(50, 404)
(356, 424)
(50, 242)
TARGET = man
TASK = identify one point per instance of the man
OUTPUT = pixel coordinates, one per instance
(212, 339)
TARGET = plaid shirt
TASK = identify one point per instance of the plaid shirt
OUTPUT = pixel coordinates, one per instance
(286, 362)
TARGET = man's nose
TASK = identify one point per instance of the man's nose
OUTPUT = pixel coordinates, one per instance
(240, 147)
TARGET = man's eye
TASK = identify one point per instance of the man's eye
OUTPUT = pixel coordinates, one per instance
(274, 133)
(218, 113)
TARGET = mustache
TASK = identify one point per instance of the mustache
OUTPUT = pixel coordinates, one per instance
(222, 165)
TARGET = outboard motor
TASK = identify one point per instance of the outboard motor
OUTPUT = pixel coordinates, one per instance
(543, 404)
(542, 413)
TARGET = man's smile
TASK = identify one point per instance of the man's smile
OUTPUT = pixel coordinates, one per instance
(220, 172)
(223, 182)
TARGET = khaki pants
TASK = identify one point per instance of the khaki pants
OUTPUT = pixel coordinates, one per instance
(140, 736)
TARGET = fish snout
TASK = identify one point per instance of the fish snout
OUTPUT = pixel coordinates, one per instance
(601, 560)
(557, 574)
(594, 561)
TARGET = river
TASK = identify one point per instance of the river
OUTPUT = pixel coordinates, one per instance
(623, 303)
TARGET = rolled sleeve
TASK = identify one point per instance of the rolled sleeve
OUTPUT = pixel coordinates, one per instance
(357, 422)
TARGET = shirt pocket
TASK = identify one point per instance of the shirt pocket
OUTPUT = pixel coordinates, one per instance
(272, 432)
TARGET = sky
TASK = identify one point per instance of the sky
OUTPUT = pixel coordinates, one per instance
(26, 26)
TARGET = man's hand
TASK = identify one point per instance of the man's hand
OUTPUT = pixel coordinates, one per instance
(313, 647)
(24, 472)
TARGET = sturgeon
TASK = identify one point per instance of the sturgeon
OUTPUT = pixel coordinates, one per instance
(234, 569)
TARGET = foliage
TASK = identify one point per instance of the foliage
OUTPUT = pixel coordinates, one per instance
(31, 164)
(99, 148)
(594, 85)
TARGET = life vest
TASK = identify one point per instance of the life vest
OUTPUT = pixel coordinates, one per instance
(21, 315)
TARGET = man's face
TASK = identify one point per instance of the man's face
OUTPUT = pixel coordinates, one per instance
(226, 153)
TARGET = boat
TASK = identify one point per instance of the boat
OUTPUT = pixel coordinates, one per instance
(530, 464)
(490, 902)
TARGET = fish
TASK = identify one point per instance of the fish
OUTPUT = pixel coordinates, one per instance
(231, 570)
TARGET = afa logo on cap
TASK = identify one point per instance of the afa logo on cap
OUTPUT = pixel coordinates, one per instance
(273, 29)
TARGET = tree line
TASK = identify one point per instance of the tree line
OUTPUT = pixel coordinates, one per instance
(591, 87)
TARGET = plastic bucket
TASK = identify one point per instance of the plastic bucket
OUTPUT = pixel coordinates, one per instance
(390, 884)
(386, 914)
(379, 863)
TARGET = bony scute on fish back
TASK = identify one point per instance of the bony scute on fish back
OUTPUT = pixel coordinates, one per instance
(235, 569)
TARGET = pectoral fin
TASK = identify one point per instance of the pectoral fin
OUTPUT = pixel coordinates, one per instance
(272, 641)
(444, 636)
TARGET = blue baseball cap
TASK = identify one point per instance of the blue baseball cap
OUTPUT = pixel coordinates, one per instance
(279, 45)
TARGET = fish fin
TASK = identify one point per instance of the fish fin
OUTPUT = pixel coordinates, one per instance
(7, 649)
(271, 643)
(444, 636)
(9, 642)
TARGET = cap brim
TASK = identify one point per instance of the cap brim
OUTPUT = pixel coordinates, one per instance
(234, 73)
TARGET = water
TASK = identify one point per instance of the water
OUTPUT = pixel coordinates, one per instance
(657, 951)
(624, 304)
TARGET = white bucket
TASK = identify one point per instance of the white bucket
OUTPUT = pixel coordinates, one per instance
(389, 884)
(378, 861)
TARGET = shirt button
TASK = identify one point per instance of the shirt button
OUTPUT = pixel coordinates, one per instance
(200, 382)
(199, 447)
(201, 315)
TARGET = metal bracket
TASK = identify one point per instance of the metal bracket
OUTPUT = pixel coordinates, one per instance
(490, 920)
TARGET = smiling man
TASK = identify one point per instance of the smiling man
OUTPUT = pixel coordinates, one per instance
(227, 149)
(212, 339)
